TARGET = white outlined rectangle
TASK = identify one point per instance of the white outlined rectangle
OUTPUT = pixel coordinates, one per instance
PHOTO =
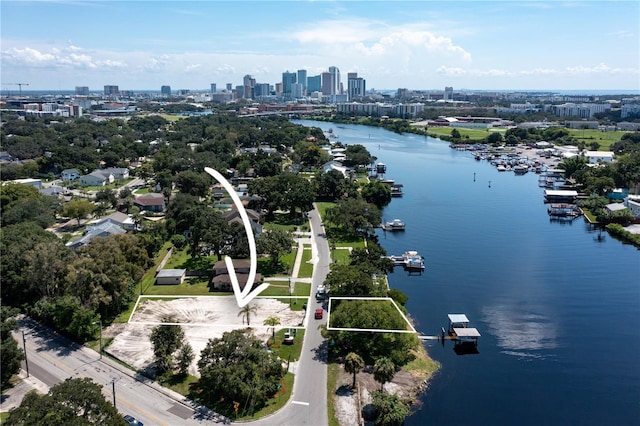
(371, 330)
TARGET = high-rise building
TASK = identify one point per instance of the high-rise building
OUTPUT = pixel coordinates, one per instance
(302, 79)
(327, 83)
(448, 93)
(288, 78)
(110, 90)
(297, 90)
(213, 88)
(261, 90)
(356, 86)
(337, 85)
(314, 83)
(82, 90)
(229, 87)
(249, 83)
(165, 91)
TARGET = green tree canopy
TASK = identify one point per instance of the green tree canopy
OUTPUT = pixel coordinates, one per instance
(10, 355)
(391, 410)
(354, 217)
(72, 402)
(383, 370)
(78, 209)
(376, 193)
(274, 242)
(166, 340)
(237, 367)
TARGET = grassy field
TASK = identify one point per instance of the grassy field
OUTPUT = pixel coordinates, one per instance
(306, 268)
(604, 139)
(475, 135)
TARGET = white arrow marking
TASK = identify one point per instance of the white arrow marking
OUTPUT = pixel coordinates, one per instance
(244, 296)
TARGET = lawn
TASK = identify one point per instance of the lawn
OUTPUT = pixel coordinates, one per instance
(475, 135)
(306, 268)
(190, 287)
(284, 221)
(604, 139)
(340, 256)
(288, 352)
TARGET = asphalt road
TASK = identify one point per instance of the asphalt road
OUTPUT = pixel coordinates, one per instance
(52, 359)
(308, 403)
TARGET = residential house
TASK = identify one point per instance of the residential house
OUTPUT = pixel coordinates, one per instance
(222, 280)
(96, 178)
(69, 175)
(117, 172)
(233, 216)
(102, 230)
(335, 165)
(614, 208)
(151, 202)
(120, 219)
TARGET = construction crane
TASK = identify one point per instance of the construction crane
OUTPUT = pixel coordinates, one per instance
(16, 84)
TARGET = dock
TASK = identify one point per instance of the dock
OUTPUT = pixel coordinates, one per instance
(410, 260)
(459, 330)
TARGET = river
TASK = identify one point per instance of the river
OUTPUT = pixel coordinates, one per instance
(557, 304)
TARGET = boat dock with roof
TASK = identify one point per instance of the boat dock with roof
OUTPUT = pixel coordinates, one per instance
(460, 331)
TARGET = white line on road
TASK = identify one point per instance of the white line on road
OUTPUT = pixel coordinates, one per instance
(299, 402)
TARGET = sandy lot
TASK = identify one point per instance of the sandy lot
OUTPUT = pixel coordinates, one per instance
(202, 318)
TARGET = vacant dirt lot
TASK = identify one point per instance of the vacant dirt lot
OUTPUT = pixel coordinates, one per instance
(202, 318)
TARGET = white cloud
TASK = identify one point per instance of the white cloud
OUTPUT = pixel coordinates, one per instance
(68, 57)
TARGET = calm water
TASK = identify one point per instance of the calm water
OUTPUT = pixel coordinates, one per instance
(557, 307)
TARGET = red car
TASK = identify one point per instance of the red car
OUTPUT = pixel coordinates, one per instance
(318, 313)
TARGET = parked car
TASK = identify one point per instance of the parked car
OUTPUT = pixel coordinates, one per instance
(133, 421)
(318, 313)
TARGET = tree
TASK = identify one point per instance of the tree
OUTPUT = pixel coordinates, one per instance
(246, 311)
(353, 363)
(238, 367)
(572, 165)
(108, 196)
(383, 370)
(357, 155)
(185, 357)
(377, 193)
(390, 409)
(72, 402)
(494, 138)
(272, 322)
(10, 355)
(354, 217)
(166, 340)
(455, 134)
(332, 185)
(208, 227)
(78, 209)
(193, 183)
(352, 280)
(274, 243)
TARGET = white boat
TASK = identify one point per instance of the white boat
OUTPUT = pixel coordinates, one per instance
(394, 225)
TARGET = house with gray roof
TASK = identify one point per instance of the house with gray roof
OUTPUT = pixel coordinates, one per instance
(103, 230)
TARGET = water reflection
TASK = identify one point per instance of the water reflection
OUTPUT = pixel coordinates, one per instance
(521, 333)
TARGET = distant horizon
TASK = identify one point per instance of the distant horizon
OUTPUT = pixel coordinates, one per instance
(577, 92)
(481, 44)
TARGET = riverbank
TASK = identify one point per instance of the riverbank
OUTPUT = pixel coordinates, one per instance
(409, 383)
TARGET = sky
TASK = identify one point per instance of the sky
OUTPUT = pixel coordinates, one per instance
(419, 45)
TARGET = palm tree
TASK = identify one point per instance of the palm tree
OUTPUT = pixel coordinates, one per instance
(383, 370)
(272, 322)
(353, 363)
(246, 312)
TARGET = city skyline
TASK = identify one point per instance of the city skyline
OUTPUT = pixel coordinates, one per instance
(143, 45)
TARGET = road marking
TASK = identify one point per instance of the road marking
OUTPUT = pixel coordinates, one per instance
(299, 402)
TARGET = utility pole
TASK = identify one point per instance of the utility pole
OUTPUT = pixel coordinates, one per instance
(24, 345)
(113, 389)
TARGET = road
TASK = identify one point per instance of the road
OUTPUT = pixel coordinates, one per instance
(52, 358)
(308, 403)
